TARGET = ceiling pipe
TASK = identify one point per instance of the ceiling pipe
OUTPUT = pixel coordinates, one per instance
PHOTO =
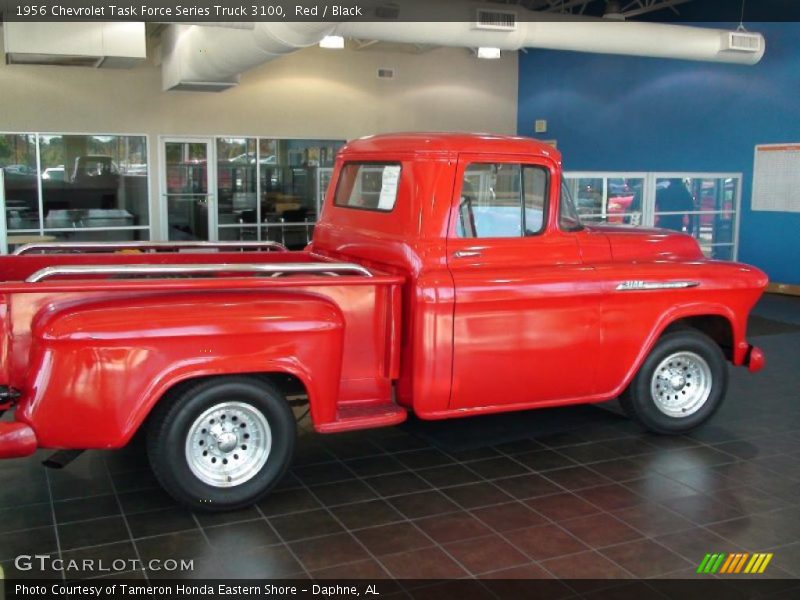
(599, 36)
(211, 58)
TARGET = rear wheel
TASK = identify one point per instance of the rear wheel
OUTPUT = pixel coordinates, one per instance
(221, 443)
(680, 385)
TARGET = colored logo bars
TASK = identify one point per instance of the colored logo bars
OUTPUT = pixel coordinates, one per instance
(740, 562)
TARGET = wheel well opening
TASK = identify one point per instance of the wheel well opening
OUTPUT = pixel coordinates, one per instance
(289, 385)
(714, 326)
(294, 390)
(292, 387)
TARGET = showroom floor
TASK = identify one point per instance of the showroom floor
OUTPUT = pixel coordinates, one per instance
(577, 492)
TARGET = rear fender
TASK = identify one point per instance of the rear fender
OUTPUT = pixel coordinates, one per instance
(101, 366)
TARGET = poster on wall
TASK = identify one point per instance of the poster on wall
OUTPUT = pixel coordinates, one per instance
(776, 178)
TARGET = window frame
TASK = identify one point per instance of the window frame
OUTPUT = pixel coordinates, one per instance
(522, 165)
(360, 163)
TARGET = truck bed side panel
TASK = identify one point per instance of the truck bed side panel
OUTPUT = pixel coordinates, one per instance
(100, 365)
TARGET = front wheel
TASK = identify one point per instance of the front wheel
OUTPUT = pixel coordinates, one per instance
(680, 384)
(222, 443)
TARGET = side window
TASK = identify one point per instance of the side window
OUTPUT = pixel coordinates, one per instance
(534, 187)
(502, 200)
(568, 218)
(368, 186)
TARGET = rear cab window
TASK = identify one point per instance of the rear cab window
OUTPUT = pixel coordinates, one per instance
(368, 186)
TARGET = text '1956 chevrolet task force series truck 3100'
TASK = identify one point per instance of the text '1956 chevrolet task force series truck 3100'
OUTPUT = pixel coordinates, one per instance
(449, 275)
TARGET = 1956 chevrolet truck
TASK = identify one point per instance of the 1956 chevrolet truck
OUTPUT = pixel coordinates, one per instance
(449, 275)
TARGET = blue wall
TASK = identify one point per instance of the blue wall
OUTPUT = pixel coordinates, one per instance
(639, 114)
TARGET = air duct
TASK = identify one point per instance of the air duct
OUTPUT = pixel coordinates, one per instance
(631, 38)
(211, 58)
(119, 44)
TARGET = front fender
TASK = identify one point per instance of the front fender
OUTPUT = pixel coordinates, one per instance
(676, 313)
(100, 366)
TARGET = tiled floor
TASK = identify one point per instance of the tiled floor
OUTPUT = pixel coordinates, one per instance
(577, 492)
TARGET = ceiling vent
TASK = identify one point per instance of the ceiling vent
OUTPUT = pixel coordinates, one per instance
(740, 41)
(116, 45)
(385, 73)
(204, 86)
(490, 19)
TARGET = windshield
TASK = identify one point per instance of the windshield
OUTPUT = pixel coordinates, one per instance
(568, 218)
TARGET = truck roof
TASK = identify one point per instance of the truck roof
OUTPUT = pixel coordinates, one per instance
(438, 142)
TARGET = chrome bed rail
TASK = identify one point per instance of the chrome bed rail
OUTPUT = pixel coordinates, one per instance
(274, 270)
(89, 247)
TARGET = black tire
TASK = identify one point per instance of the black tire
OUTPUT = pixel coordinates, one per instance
(173, 419)
(639, 402)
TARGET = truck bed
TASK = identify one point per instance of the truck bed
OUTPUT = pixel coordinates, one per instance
(44, 291)
(37, 262)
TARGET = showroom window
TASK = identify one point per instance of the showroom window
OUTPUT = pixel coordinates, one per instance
(272, 189)
(704, 205)
(237, 193)
(18, 161)
(75, 187)
(501, 201)
(603, 199)
(94, 187)
(293, 178)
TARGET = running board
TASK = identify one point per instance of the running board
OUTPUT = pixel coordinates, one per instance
(364, 415)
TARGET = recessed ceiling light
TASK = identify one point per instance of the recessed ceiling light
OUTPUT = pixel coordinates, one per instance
(332, 42)
(488, 52)
(613, 11)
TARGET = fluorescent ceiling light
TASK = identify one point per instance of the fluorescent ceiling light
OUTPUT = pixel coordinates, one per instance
(332, 42)
(488, 52)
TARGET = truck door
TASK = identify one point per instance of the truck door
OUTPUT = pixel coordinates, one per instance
(526, 327)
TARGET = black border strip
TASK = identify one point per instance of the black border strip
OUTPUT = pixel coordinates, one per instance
(194, 11)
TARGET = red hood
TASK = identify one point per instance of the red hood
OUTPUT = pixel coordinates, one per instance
(638, 243)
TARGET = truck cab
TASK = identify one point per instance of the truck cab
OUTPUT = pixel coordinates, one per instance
(503, 279)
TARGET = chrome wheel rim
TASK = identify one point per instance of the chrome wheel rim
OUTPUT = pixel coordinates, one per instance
(228, 444)
(681, 384)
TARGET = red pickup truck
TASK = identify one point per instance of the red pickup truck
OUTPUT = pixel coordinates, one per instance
(449, 275)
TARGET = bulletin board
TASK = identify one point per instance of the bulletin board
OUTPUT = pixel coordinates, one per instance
(776, 178)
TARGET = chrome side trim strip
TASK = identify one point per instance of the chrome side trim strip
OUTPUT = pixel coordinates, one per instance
(55, 247)
(638, 284)
(198, 269)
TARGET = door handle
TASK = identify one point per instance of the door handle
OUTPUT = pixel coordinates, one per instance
(466, 253)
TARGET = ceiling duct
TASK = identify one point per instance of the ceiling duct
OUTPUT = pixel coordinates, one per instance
(104, 45)
(204, 58)
(601, 36)
(211, 58)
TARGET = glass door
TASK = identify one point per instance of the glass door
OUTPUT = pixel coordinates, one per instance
(188, 189)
